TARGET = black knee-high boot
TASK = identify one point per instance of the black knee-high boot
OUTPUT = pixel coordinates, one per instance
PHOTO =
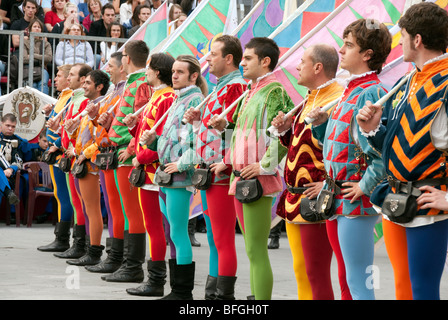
(183, 282)
(78, 248)
(225, 288)
(156, 281)
(62, 238)
(113, 260)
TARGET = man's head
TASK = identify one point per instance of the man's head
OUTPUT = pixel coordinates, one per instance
(156, 3)
(225, 55)
(367, 43)
(43, 141)
(144, 12)
(29, 9)
(260, 57)
(108, 13)
(187, 72)
(9, 122)
(135, 54)
(424, 26)
(318, 65)
(77, 75)
(60, 80)
(114, 67)
(96, 84)
(160, 69)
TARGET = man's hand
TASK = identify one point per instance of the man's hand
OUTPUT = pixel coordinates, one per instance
(318, 115)
(72, 124)
(47, 109)
(171, 167)
(352, 190)
(52, 149)
(218, 168)
(434, 198)
(217, 123)
(81, 158)
(52, 124)
(147, 137)
(92, 109)
(192, 115)
(250, 171)
(123, 155)
(313, 189)
(8, 172)
(369, 117)
(280, 123)
(105, 120)
(70, 152)
(135, 162)
(130, 120)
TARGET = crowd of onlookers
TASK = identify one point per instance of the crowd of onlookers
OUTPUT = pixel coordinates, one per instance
(97, 18)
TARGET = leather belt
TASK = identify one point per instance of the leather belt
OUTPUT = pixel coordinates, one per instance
(401, 186)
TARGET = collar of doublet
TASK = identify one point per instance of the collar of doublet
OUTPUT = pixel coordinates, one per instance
(326, 84)
(136, 72)
(162, 86)
(358, 76)
(183, 90)
(436, 59)
(228, 76)
(78, 91)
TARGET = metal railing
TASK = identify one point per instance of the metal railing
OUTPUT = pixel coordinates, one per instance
(53, 39)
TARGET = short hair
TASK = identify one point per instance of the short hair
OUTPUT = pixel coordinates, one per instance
(328, 56)
(265, 47)
(232, 45)
(100, 77)
(138, 52)
(83, 70)
(107, 6)
(194, 66)
(428, 20)
(117, 55)
(30, 1)
(163, 63)
(88, 5)
(371, 34)
(65, 68)
(9, 117)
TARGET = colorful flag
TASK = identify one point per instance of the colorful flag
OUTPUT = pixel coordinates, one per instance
(155, 29)
(210, 19)
(329, 31)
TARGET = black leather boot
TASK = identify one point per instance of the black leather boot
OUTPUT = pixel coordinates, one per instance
(156, 281)
(225, 288)
(192, 231)
(114, 258)
(78, 248)
(62, 238)
(92, 257)
(131, 270)
(210, 288)
(183, 282)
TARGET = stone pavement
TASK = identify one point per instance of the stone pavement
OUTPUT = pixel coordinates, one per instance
(28, 274)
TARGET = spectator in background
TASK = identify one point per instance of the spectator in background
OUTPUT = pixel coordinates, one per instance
(30, 8)
(42, 54)
(17, 11)
(182, 17)
(74, 51)
(95, 7)
(99, 27)
(55, 15)
(189, 5)
(5, 11)
(71, 17)
(127, 10)
(115, 30)
(174, 12)
(142, 13)
(155, 5)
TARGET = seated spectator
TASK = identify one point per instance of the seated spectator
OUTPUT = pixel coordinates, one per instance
(182, 17)
(29, 13)
(55, 15)
(5, 11)
(38, 149)
(173, 15)
(17, 11)
(74, 51)
(127, 10)
(99, 28)
(70, 17)
(83, 8)
(189, 5)
(141, 14)
(155, 5)
(115, 30)
(94, 7)
(42, 52)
